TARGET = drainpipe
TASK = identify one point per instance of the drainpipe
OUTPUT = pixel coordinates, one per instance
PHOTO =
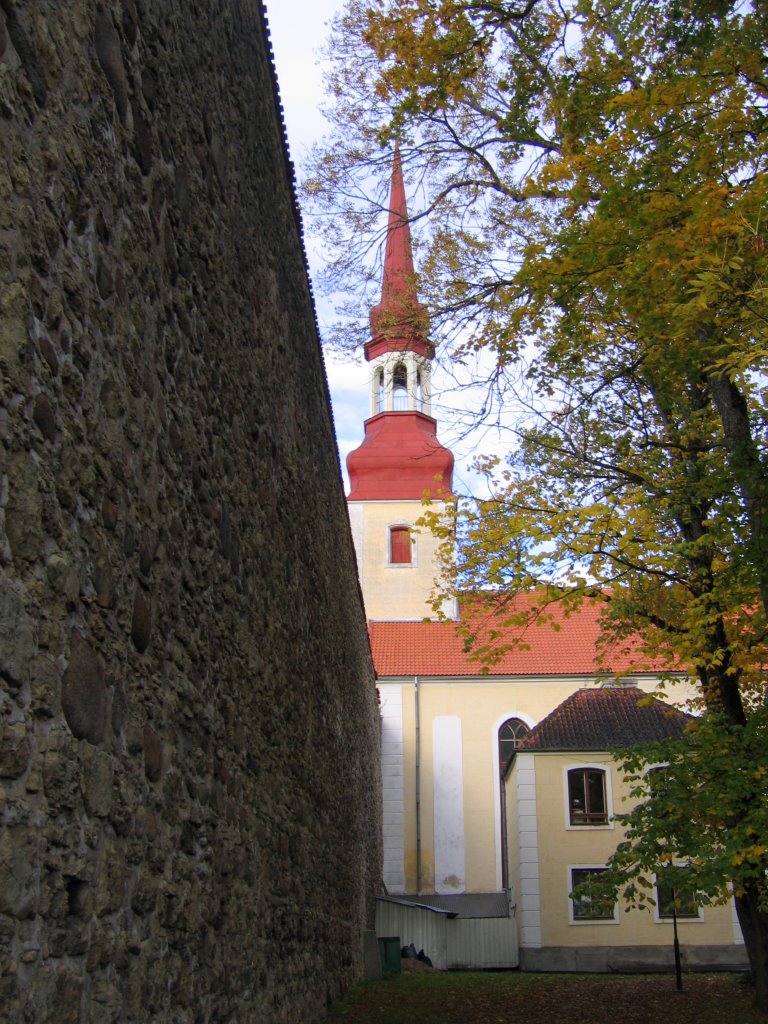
(504, 834)
(417, 716)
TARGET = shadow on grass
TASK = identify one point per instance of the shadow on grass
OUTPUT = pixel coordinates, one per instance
(512, 997)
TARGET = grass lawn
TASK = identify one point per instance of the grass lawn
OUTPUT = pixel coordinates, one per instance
(514, 998)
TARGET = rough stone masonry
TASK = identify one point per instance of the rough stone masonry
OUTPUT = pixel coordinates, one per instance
(188, 721)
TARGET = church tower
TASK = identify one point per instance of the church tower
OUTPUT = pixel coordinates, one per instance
(400, 460)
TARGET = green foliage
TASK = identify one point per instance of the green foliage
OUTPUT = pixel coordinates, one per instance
(564, 152)
(593, 177)
(699, 803)
(594, 183)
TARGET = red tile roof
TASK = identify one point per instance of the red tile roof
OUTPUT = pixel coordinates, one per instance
(556, 644)
(605, 719)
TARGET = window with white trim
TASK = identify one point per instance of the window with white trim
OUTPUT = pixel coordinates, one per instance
(510, 734)
(674, 894)
(400, 546)
(586, 908)
(587, 796)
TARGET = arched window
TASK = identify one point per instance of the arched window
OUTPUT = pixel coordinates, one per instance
(379, 391)
(400, 547)
(510, 735)
(419, 392)
(400, 388)
(587, 800)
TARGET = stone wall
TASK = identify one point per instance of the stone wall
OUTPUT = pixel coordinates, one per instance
(188, 723)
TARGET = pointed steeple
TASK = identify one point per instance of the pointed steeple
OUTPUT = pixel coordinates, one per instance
(399, 282)
(400, 457)
(399, 321)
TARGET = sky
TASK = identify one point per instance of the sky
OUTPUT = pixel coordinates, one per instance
(299, 29)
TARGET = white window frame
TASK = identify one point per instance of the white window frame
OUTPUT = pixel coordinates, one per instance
(580, 921)
(684, 919)
(605, 768)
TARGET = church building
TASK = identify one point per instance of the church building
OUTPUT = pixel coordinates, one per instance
(491, 811)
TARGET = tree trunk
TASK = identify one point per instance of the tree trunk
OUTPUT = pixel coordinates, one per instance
(721, 685)
(749, 470)
(754, 927)
(725, 698)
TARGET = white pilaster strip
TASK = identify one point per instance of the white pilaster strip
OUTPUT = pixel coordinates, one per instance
(738, 936)
(529, 896)
(448, 779)
(393, 796)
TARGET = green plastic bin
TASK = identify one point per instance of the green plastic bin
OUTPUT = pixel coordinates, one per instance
(389, 954)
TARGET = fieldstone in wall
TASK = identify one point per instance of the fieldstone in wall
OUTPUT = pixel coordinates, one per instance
(18, 643)
(83, 692)
(189, 794)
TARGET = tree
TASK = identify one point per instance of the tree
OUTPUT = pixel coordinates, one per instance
(696, 818)
(594, 183)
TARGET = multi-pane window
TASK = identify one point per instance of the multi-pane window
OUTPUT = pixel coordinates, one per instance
(400, 547)
(587, 803)
(658, 779)
(586, 906)
(510, 735)
(675, 895)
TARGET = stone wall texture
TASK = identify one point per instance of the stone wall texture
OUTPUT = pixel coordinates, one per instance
(188, 721)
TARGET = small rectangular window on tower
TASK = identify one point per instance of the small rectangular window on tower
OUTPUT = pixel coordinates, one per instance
(400, 547)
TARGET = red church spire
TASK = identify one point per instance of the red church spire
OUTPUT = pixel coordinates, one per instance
(399, 321)
(399, 279)
(400, 457)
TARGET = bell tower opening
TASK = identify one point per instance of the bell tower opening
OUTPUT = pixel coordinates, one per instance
(400, 388)
(378, 391)
(400, 383)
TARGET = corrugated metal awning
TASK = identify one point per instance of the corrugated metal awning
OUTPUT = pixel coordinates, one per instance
(416, 903)
(465, 905)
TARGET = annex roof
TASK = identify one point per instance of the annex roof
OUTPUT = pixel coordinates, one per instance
(554, 643)
(605, 719)
(465, 904)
